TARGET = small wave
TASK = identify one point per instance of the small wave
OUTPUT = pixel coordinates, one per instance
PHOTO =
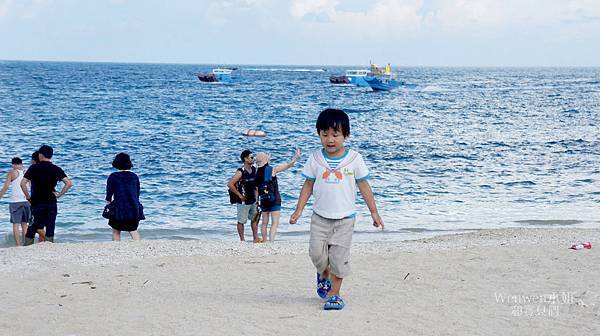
(497, 144)
(566, 142)
(519, 183)
(549, 221)
(431, 88)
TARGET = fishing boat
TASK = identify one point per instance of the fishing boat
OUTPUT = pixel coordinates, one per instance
(384, 80)
(357, 77)
(221, 75)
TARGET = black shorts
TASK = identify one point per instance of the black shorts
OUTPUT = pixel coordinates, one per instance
(44, 217)
(130, 225)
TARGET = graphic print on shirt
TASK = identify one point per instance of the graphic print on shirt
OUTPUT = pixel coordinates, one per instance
(335, 174)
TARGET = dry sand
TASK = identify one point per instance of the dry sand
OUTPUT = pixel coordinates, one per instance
(447, 285)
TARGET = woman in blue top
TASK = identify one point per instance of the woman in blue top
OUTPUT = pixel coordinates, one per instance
(123, 191)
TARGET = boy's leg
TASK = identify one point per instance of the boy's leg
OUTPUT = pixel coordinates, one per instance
(116, 235)
(23, 230)
(338, 269)
(16, 234)
(41, 235)
(317, 244)
(318, 250)
(339, 253)
(336, 285)
(274, 223)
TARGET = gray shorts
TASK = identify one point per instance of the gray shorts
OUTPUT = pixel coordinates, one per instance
(329, 245)
(20, 212)
(245, 212)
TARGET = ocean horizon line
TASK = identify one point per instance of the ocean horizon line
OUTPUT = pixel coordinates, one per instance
(491, 66)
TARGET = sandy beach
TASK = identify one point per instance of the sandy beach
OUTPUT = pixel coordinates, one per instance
(493, 282)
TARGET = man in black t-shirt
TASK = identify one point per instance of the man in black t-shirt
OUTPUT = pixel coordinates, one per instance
(44, 177)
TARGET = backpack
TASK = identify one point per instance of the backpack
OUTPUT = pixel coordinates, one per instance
(266, 189)
(240, 186)
(233, 198)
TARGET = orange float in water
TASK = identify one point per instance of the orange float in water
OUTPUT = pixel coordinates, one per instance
(251, 132)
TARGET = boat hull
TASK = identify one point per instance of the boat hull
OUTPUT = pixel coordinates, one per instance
(378, 84)
(207, 78)
(358, 81)
(217, 76)
(223, 78)
(339, 80)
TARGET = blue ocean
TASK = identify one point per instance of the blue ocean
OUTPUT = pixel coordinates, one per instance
(467, 149)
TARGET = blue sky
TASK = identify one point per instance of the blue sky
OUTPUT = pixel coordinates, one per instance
(308, 32)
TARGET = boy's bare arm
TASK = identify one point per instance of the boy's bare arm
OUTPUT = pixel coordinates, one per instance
(6, 184)
(307, 189)
(367, 194)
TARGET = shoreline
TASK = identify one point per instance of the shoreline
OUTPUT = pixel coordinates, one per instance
(473, 283)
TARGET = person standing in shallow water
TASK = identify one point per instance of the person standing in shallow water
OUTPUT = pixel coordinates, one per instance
(44, 176)
(123, 191)
(35, 158)
(20, 209)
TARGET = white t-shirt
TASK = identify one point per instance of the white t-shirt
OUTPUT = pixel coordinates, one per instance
(334, 190)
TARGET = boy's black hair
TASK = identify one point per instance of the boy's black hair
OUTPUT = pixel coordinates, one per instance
(245, 154)
(46, 151)
(333, 118)
(36, 156)
(16, 160)
(122, 161)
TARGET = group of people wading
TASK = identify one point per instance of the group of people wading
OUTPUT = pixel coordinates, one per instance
(33, 198)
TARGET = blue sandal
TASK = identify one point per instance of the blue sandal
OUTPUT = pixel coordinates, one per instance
(323, 286)
(334, 303)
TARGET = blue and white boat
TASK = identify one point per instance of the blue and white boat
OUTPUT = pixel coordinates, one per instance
(384, 80)
(221, 75)
(357, 77)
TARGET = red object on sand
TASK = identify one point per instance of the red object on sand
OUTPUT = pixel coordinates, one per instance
(581, 246)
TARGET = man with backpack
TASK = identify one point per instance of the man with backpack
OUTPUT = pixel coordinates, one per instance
(242, 192)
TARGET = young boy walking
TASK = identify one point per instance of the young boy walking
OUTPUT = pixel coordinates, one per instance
(332, 175)
(20, 210)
